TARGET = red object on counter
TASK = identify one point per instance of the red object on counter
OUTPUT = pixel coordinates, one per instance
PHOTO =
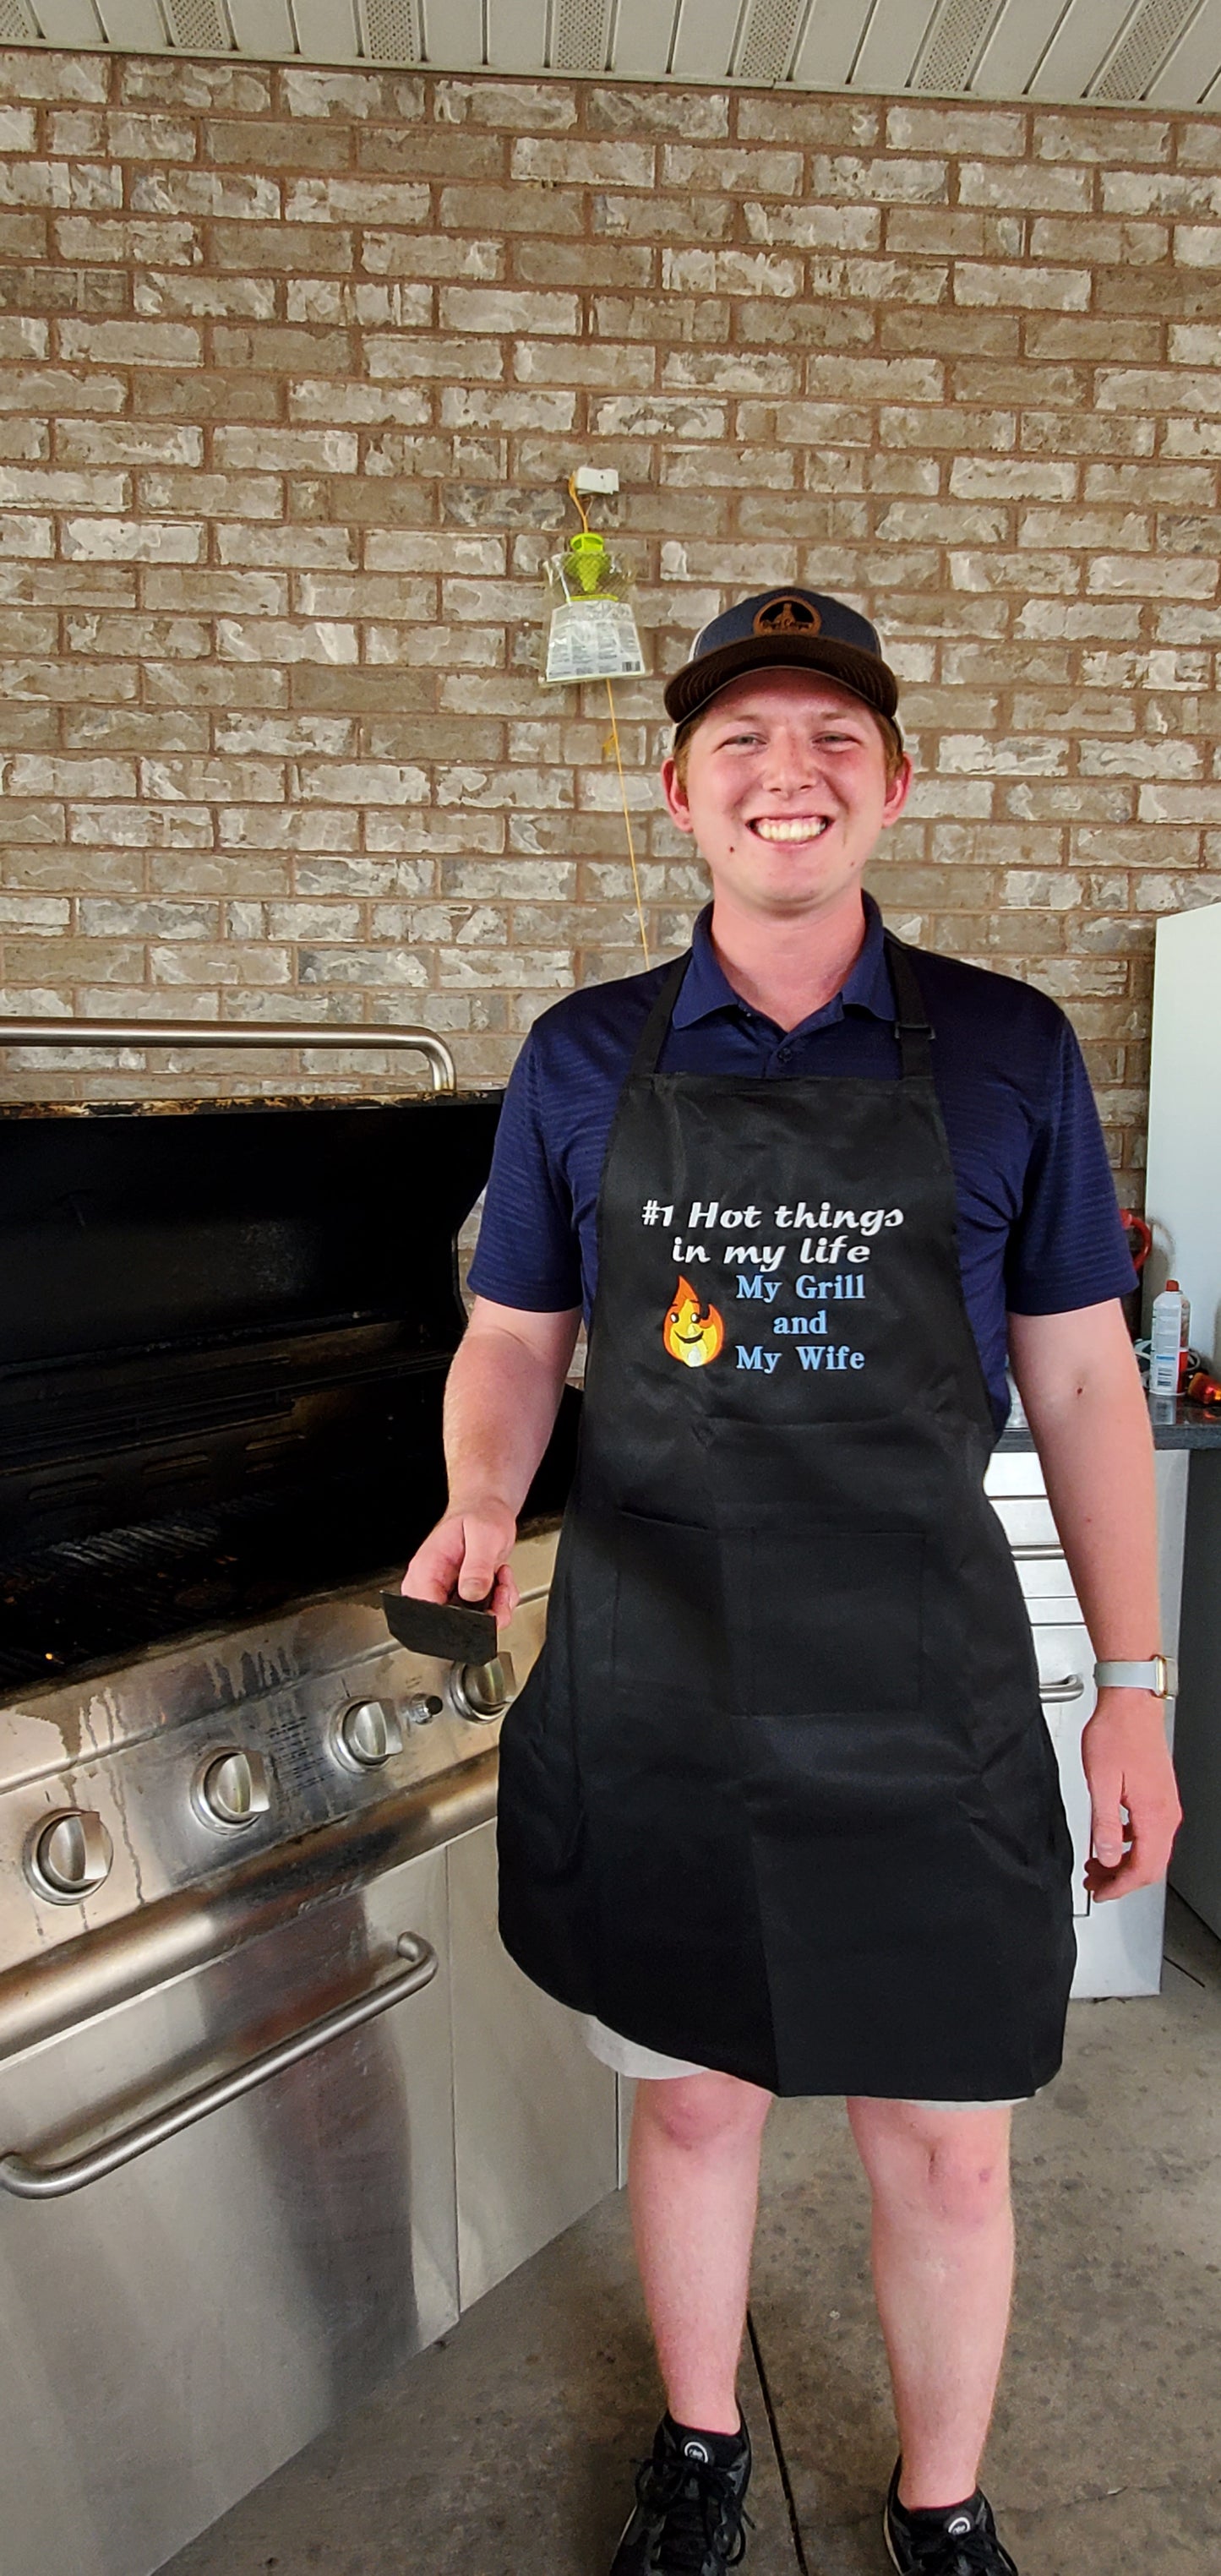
(1203, 1389)
(1141, 1236)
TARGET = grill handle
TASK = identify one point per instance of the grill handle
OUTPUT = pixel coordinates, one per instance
(28, 2179)
(267, 1033)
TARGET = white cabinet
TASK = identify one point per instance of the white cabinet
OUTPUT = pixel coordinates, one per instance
(1119, 1945)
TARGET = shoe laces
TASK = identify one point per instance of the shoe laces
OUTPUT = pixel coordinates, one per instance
(703, 2513)
(969, 2553)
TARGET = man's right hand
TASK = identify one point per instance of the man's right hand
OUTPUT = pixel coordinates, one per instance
(464, 1555)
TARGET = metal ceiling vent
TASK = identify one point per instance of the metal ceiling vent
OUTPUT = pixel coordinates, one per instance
(16, 28)
(960, 32)
(197, 26)
(581, 40)
(392, 31)
(771, 34)
(1143, 50)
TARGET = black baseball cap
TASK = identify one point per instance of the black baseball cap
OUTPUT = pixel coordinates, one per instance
(786, 630)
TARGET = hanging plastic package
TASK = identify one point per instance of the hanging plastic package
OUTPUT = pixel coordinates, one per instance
(592, 634)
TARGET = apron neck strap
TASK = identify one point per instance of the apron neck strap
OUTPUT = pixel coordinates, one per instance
(653, 1034)
(912, 1031)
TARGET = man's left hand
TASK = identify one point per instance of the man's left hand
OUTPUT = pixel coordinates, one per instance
(1133, 1793)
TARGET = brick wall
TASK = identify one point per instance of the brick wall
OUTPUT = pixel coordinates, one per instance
(294, 364)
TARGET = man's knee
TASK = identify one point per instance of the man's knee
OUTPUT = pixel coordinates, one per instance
(953, 2166)
(703, 2111)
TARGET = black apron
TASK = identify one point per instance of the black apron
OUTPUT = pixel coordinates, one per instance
(778, 1796)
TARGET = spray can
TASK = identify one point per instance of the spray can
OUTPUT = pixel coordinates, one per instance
(1171, 1319)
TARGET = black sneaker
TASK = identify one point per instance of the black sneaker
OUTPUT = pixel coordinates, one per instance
(961, 2541)
(688, 2518)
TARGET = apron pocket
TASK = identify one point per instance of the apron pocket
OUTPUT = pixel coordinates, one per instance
(669, 1620)
(826, 1620)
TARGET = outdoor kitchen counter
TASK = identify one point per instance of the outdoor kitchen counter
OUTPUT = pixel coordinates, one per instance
(1176, 1424)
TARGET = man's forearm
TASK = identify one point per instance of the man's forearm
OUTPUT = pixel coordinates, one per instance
(1091, 1430)
(501, 1400)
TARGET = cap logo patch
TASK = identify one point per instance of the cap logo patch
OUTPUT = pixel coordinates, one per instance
(787, 616)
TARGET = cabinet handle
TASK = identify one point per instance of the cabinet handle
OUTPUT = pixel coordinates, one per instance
(1072, 1687)
(30, 2179)
(1038, 1549)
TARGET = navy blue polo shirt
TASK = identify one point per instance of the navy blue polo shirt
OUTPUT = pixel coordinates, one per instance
(1038, 1225)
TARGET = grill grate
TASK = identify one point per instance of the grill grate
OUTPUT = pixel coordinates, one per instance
(1144, 49)
(92, 1601)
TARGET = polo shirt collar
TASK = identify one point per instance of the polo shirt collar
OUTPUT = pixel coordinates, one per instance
(706, 988)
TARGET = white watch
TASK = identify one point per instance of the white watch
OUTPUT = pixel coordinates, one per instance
(1159, 1675)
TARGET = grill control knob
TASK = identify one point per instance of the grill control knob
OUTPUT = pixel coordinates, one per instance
(70, 1856)
(233, 1788)
(483, 1691)
(366, 1735)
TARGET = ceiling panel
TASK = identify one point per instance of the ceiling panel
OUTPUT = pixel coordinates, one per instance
(891, 43)
(831, 43)
(263, 26)
(517, 35)
(644, 35)
(68, 22)
(134, 25)
(1016, 47)
(453, 34)
(326, 30)
(1086, 35)
(1166, 52)
(704, 46)
(1192, 66)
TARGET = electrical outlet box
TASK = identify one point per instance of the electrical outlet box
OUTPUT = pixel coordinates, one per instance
(596, 478)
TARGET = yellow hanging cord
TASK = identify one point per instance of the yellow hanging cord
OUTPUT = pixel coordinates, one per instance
(627, 825)
(575, 497)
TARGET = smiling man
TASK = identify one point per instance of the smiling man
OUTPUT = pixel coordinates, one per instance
(779, 1809)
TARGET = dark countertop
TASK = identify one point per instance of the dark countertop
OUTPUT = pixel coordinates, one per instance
(1177, 1424)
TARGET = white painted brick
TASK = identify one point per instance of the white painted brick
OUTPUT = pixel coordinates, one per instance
(356, 201)
(429, 550)
(595, 165)
(1059, 290)
(59, 490)
(367, 782)
(503, 310)
(273, 450)
(1175, 576)
(279, 640)
(128, 541)
(813, 227)
(26, 536)
(130, 344)
(986, 478)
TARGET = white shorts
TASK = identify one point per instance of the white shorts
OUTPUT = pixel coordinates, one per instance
(628, 2058)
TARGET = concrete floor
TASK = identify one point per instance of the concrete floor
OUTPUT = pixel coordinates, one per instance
(506, 2449)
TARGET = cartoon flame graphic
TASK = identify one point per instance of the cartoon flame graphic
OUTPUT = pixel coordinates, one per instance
(693, 1333)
